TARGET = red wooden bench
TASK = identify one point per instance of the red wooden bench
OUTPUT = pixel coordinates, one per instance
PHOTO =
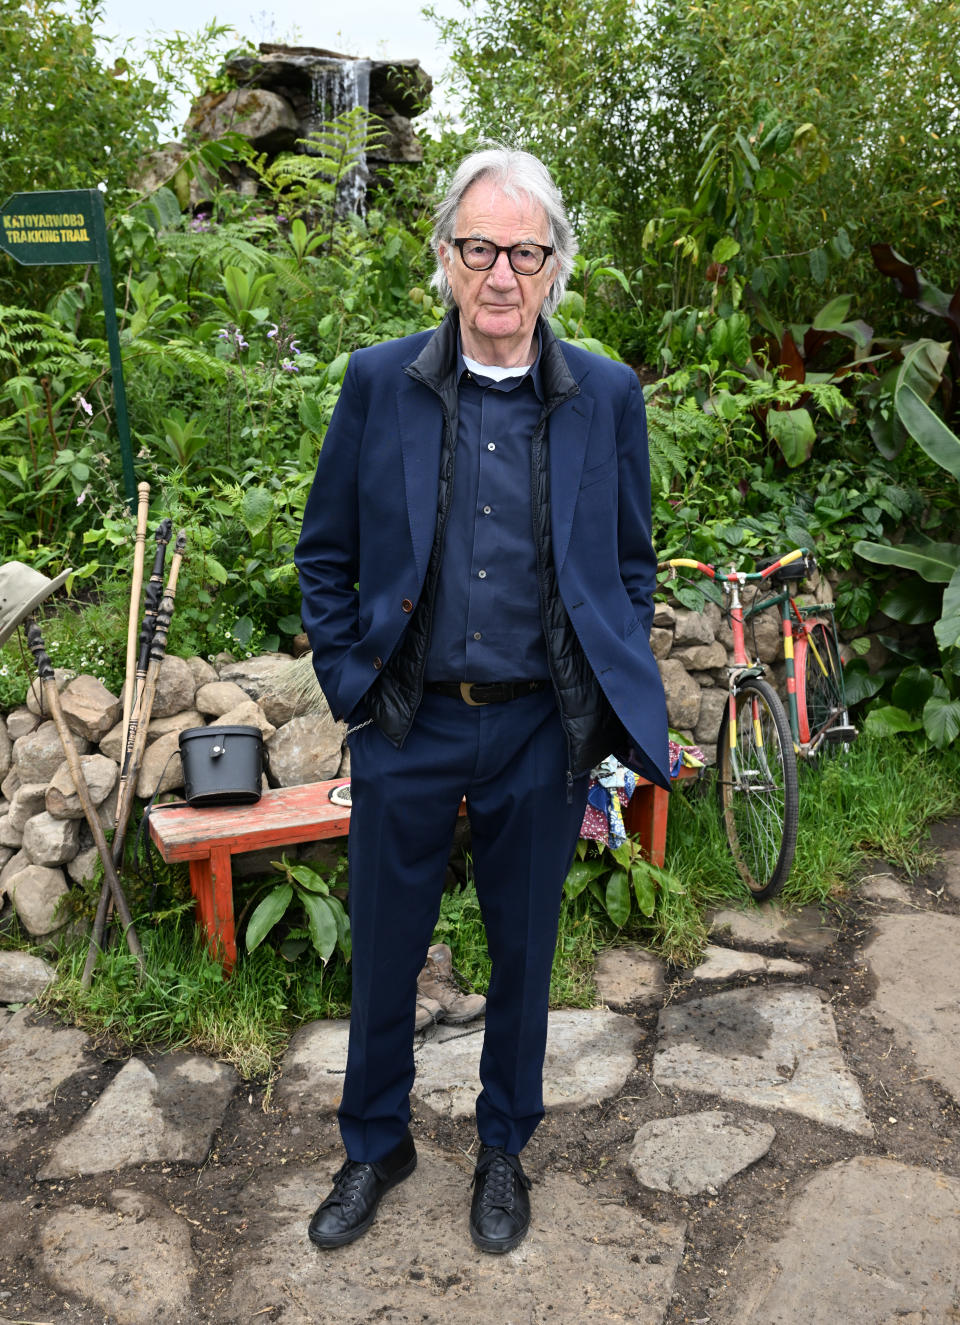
(208, 839)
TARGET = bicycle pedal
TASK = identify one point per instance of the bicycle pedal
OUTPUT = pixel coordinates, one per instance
(840, 735)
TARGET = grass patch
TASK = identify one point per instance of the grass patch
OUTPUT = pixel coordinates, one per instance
(875, 801)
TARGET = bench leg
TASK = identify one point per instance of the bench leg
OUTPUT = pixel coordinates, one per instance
(646, 818)
(211, 881)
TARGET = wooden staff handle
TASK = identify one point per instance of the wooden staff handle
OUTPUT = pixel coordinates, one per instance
(143, 510)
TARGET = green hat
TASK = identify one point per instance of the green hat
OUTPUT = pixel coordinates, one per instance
(21, 590)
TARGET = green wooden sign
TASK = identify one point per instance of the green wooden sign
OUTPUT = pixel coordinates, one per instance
(55, 228)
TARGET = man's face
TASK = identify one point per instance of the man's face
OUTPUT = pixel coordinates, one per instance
(498, 307)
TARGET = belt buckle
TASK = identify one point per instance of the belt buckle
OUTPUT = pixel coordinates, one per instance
(465, 694)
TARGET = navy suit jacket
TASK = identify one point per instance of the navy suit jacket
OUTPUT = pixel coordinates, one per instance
(370, 519)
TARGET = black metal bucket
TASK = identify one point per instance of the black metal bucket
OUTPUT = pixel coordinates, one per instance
(222, 765)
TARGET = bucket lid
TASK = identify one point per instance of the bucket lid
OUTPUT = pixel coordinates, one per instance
(216, 730)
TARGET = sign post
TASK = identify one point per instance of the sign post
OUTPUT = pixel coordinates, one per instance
(54, 229)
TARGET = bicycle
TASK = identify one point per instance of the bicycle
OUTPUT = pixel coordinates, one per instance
(757, 783)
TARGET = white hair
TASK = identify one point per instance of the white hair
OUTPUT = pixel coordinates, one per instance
(514, 173)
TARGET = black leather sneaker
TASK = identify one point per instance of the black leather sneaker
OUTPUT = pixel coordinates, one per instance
(350, 1208)
(500, 1209)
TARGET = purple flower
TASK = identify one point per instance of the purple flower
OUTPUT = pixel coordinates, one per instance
(289, 366)
(294, 347)
(223, 334)
(273, 331)
(241, 343)
(84, 404)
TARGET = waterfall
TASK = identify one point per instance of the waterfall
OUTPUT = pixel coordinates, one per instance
(337, 86)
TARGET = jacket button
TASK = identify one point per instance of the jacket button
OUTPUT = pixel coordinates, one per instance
(407, 605)
(378, 663)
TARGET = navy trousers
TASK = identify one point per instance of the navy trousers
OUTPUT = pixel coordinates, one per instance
(510, 761)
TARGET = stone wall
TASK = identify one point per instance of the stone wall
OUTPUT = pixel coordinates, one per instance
(45, 842)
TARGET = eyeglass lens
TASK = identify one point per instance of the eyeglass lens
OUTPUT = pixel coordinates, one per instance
(480, 254)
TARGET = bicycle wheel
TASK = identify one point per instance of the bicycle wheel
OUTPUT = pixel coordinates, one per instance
(820, 700)
(759, 800)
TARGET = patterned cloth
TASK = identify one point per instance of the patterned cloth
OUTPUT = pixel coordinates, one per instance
(610, 789)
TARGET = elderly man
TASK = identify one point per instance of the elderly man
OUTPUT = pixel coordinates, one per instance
(477, 577)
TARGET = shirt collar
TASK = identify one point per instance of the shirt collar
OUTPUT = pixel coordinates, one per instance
(533, 373)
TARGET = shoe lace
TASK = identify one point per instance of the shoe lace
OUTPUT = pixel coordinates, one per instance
(500, 1171)
(347, 1182)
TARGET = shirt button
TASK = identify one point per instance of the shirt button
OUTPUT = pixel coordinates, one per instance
(407, 605)
(377, 663)
(477, 635)
(491, 446)
(482, 574)
(486, 510)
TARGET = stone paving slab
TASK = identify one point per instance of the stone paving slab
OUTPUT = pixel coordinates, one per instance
(23, 976)
(884, 888)
(36, 1058)
(134, 1261)
(417, 1263)
(697, 1152)
(166, 1111)
(914, 961)
(311, 1077)
(803, 932)
(590, 1054)
(728, 964)
(869, 1240)
(951, 871)
(629, 975)
(774, 1048)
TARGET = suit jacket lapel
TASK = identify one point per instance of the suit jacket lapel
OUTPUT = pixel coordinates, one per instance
(421, 439)
(569, 430)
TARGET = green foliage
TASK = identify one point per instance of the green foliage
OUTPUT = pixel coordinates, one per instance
(327, 926)
(616, 878)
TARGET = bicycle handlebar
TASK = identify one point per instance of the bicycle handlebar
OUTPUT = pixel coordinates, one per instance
(733, 573)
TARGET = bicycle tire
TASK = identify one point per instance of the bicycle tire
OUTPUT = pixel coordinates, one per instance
(758, 788)
(820, 699)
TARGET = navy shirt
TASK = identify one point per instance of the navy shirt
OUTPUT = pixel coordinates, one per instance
(486, 621)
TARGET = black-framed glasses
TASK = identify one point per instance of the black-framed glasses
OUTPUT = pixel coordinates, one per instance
(481, 254)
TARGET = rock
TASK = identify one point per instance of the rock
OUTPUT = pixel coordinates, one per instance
(39, 754)
(713, 701)
(570, 1269)
(10, 783)
(166, 1111)
(701, 657)
(773, 1048)
(34, 696)
(683, 694)
(951, 871)
(203, 672)
(628, 975)
(6, 853)
(84, 865)
(112, 744)
(247, 714)
(589, 1056)
(21, 722)
(218, 697)
(305, 750)
(36, 1059)
(913, 960)
(175, 687)
(693, 628)
(664, 616)
(661, 642)
(135, 1264)
(165, 167)
(14, 865)
(100, 775)
(804, 931)
(273, 680)
(11, 836)
(728, 964)
(89, 708)
(6, 752)
(161, 769)
(884, 888)
(868, 1239)
(36, 892)
(697, 1152)
(28, 800)
(398, 142)
(311, 1079)
(22, 977)
(264, 118)
(50, 841)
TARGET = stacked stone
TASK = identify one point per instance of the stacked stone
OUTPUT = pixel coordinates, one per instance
(694, 649)
(45, 841)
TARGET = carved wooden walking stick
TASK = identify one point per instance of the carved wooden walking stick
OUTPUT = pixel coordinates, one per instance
(51, 698)
(143, 492)
(156, 647)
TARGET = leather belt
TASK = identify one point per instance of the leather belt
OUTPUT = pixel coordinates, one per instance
(478, 693)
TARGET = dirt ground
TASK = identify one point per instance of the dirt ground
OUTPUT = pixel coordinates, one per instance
(914, 1120)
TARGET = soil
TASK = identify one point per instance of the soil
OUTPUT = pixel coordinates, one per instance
(915, 1122)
